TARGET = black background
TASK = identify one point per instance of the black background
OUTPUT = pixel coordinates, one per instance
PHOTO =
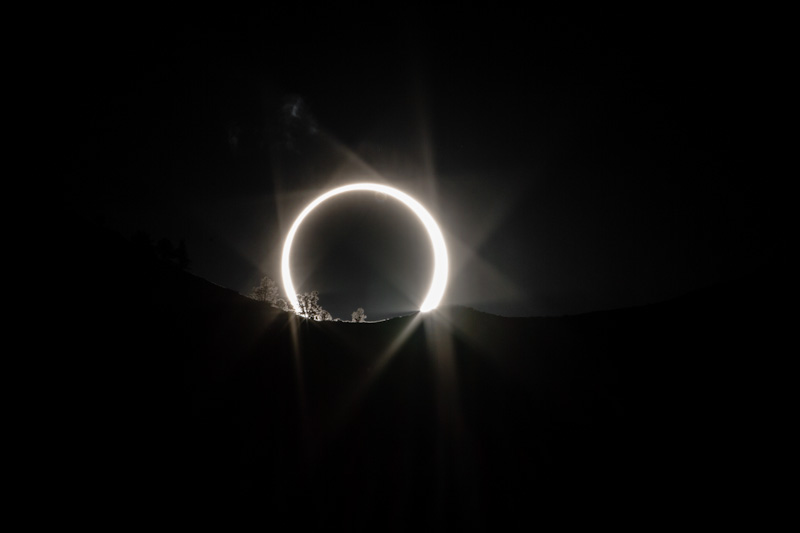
(574, 163)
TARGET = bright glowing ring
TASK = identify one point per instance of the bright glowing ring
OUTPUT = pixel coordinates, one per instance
(439, 282)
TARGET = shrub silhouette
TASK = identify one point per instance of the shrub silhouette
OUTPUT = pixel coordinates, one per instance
(267, 291)
(358, 315)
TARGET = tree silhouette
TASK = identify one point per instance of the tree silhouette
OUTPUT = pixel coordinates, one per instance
(309, 307)
(282, 304)
(358, 315)
(308, 303)
(267, 291)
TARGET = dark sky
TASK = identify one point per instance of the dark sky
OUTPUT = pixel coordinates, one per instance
(573, 164)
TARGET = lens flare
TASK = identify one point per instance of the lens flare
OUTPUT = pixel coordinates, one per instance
(440, 267)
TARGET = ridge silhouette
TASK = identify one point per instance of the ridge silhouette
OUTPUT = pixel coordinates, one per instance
(181, 396)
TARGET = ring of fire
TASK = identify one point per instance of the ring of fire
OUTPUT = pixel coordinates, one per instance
(440, 267)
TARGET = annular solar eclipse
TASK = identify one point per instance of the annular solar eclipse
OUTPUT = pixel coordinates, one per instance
(440, 266)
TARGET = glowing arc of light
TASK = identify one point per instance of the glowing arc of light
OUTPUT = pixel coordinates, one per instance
(440, 260)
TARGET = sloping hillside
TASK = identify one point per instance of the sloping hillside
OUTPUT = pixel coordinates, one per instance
(173, 395)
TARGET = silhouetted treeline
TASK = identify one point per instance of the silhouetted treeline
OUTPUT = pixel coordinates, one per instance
(184, 399)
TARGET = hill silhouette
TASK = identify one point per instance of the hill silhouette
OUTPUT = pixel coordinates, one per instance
(172, 396)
